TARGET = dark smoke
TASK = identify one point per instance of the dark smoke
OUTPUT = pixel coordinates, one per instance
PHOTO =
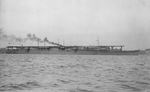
(33, 37)
(12, 38)
(49, 42)
(30, 37)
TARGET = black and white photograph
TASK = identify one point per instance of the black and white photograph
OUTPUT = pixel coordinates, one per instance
(74, 45)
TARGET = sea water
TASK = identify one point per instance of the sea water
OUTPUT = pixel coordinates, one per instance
(74, 73)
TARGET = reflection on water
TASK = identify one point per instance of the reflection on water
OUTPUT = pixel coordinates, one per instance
(74, 73)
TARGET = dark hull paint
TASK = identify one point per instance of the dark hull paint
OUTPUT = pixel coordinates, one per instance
(71, 52)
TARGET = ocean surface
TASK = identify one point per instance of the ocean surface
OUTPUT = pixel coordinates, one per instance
(74, 73)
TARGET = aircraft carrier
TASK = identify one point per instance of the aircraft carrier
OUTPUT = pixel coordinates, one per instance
(69, 50)
(60, 49)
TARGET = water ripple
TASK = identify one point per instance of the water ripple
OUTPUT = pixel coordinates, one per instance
(27, 85)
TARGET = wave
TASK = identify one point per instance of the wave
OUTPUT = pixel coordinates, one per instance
(80, 90)
(23, 86)
(124, 86)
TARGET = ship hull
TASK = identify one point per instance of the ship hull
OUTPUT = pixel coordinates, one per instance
(71, 52)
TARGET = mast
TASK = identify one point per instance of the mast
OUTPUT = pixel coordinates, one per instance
(44, 42)
(38, 41)
(97, 41)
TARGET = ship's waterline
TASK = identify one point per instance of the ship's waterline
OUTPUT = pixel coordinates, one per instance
(70, 50)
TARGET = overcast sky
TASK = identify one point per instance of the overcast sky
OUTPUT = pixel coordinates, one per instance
(80, 22)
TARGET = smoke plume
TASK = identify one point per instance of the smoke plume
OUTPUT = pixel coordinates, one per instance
(29, 37)
(33, 37)
(49, 42)
(13, 38)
